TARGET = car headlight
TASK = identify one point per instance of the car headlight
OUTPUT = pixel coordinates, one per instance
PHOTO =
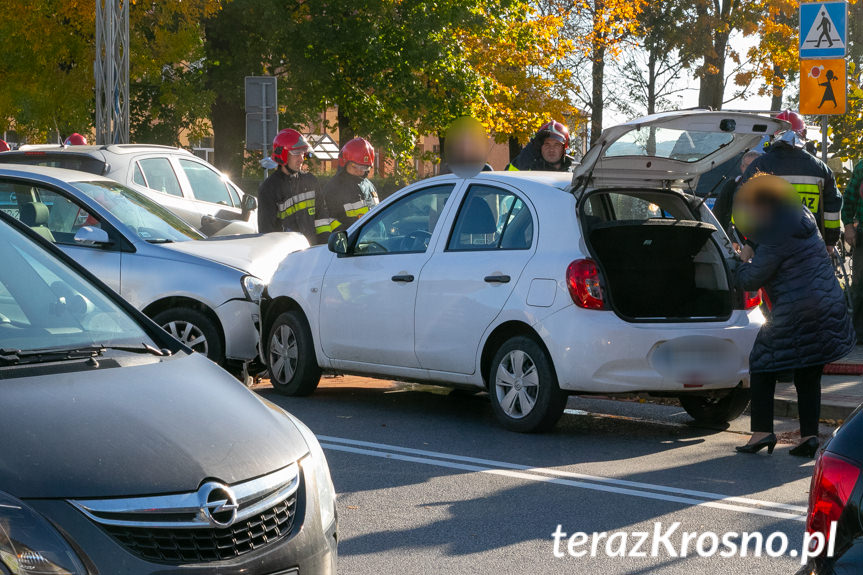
(316, 464)
(29, 545)
(253, 288)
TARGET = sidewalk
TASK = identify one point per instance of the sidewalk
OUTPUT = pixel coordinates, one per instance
(841, 391)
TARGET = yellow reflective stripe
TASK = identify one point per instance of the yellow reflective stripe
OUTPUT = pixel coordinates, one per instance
(294, 200)
(831, 220)
(511, 168)
(297, 207)
(330, 225)
(357, 213)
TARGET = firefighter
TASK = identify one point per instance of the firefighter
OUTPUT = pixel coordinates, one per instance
(812, 179)
(286, 199)
(546, 151)
(349, 194)
(75, 139)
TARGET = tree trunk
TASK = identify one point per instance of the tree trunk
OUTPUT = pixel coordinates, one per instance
(651, 100)
(514, 148)
(229, 127)
(778, 93)
(346, 133)
(711, 93)
(597, 96)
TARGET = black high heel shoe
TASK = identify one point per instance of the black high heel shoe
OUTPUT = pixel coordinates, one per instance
(769, 442)
(806, 449)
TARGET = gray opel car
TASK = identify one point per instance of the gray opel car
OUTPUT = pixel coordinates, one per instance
(122, 452)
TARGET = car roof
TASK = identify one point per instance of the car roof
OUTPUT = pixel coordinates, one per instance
(559, 180)
(61, 174)
(111, 148)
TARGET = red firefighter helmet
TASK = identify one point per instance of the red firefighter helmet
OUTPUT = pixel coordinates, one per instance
(75, 139)
(4, 147)
(289, 142)
(555, 130)
(796, 121)
(358, 151)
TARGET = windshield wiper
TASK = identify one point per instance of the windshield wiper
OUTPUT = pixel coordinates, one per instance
(160, 241)
(49, 354)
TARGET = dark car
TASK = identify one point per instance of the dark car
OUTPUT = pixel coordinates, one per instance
(836, 495)
(122, 451)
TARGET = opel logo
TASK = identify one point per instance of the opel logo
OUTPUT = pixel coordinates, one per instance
(218, 504)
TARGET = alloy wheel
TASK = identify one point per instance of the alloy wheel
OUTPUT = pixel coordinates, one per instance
(283, 354)
(517, 384)
(189, 334)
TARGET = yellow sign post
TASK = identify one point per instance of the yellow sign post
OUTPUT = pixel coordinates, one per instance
(823, 86)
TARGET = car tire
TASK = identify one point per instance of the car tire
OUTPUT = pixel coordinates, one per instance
(291, 358)
(716, 410)
(194, 329)
(525, 395)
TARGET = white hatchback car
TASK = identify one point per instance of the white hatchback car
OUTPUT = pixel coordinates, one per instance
(536, 285)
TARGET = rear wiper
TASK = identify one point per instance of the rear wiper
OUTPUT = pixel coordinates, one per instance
(45, 355)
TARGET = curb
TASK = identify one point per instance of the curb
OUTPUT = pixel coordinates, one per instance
(785, 407)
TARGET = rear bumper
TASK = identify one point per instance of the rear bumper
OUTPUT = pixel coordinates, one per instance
(240, 321)
(596, 351)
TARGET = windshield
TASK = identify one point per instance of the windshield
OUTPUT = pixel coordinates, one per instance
(145, 217)
(46, 304)
(681, 145)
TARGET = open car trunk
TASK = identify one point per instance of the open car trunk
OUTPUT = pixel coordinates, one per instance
(657, 261)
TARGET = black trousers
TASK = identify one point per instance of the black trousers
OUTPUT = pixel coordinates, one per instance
(808, 383)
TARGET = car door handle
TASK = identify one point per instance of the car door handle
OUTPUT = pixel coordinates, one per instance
(497, 279)
(405, 278)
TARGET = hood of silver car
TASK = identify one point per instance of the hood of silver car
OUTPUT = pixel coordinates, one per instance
(150, 428)
(258, 255)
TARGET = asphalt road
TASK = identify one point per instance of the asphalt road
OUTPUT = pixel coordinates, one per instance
(429, 483)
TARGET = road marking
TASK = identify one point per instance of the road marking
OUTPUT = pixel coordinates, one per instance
(568, 478)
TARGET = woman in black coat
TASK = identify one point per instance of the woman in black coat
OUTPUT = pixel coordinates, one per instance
(809, 325)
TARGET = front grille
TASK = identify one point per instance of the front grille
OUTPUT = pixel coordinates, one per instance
(199, 545)
(214, 523)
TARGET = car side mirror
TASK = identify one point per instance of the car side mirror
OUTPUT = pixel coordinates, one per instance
(92, 236)
(249, 203)
(338, 243)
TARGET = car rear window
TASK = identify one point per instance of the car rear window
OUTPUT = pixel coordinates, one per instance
(79, 162)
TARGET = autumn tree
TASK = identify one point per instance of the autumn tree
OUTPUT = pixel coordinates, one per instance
(48, 51)
(523, 78)
(598, 29)
(650, 71)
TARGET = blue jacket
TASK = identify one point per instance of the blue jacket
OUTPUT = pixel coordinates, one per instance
(809, 323)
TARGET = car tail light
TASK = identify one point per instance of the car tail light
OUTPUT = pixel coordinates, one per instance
(832, 483)
(582, 278)
(751, 299)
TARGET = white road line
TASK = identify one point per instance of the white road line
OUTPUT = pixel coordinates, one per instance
(572, 479)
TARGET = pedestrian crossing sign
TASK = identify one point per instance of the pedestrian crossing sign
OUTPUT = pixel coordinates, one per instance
(823, 29)
(822, 87)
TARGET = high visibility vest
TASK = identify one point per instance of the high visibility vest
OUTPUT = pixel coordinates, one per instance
(810, 190)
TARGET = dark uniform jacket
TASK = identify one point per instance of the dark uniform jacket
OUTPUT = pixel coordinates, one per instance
(345, 199)
(812, 179)
(286, 203)
(809, 324)
(530, 158)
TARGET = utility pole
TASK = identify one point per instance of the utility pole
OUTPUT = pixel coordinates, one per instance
(112, 71)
